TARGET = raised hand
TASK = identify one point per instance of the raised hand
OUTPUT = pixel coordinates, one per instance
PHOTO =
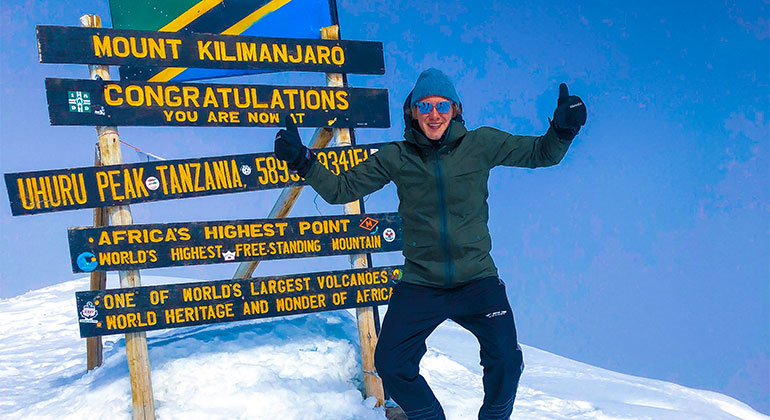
(570, 114)
(288, 147)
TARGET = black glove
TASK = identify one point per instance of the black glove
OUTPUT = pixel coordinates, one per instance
(289, 148)
(570, 114)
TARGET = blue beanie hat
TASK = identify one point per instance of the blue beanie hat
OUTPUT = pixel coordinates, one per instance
(433, 82)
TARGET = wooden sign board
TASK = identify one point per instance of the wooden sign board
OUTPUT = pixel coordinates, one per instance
(109, 103)
(106, 186)
(216, 242)
(62, 44)
(118, 311)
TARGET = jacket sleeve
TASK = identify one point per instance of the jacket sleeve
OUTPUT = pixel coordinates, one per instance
(359, 181)
(524, 151)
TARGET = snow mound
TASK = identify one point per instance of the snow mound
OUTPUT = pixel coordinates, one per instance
(299, 367)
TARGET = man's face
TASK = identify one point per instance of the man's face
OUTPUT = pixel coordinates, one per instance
(434, 123)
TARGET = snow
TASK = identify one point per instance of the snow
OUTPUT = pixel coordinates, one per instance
(299, 367)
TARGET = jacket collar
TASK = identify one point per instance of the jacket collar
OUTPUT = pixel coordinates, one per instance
(451, 138)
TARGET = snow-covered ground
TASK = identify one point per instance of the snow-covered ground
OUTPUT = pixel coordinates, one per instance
(301, 367)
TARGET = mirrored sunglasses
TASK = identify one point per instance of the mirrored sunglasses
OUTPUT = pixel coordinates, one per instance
(426, 107)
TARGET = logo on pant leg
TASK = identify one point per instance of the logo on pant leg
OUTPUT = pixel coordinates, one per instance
(494, 314)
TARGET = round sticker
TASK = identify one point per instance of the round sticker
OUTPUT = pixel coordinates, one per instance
(389, 234)
(89, 311)
(87, 261)
(246, 170)
(152, 183)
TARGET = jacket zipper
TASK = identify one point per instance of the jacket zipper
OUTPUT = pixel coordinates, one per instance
(442, 210)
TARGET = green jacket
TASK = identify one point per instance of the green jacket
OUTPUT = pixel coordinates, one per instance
(443, 194)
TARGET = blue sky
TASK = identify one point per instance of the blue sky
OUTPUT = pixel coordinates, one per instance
(647, 250)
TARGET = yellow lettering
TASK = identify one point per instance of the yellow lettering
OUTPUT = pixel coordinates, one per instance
(28, 205)
(225, 57)
(138, 175)
(203, 51)
(114, 184)
(313, 99)
(327, 99)
(162, 172)
(108, 95)
(291, 93)
(264, 53)
(279, 53)
(121, 47)
(102, 46)
(175, 187)
(129, 191)
(174, 100)
(174, 47)
(338, 55)
(248, 51)
(342, 98)
(209, 99)
(310, 55)
(237, 99)
(157, 48)
(138, 100)
(136, 52)
(277, 101)
(323, 54)
(209, 178)
(154, 94)
(190, 94)
(186, 179)
(298, 57)
(224, 92)
(101, 183)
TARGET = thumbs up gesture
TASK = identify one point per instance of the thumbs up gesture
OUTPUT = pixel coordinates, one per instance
(288, 147)
(570, 114)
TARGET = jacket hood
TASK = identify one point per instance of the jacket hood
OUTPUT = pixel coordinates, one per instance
(414, 135)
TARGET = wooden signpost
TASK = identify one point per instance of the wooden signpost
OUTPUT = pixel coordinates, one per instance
(93, 102)
(137, 355)
(100, 186)
(118, 311)
(367, 318)
(94, 345)
(183, 48)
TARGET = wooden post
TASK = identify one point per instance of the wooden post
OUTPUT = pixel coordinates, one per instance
(136, 343)
(94, 349)
(365, 316)
(281, 208)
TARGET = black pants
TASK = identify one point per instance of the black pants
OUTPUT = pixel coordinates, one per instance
(414, 312)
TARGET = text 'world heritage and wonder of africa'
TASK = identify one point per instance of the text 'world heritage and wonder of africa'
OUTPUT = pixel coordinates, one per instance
(104, 312)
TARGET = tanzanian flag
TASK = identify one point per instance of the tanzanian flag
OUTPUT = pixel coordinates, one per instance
(267, 18)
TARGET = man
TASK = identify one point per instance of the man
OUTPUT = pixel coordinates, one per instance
(441, 171)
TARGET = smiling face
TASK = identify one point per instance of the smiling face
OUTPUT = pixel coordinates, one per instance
(434, 123)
